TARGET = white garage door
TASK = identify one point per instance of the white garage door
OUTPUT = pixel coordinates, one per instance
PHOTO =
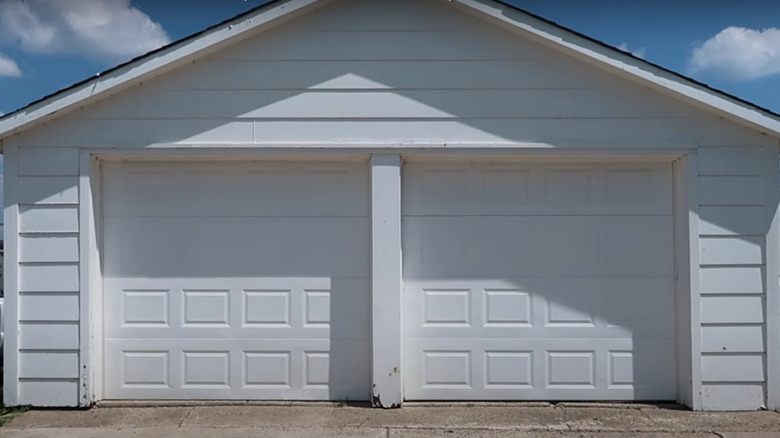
(545, 282)
(236, 281)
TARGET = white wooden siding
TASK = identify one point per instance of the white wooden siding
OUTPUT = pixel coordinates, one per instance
(452, 80)
(48, 282)
(733, 229)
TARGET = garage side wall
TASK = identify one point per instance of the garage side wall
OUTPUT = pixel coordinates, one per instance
(737, 197)
(45, 289)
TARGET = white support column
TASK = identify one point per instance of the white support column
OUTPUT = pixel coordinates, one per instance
(386, 280)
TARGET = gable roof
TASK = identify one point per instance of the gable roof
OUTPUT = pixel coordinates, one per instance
(276, 12)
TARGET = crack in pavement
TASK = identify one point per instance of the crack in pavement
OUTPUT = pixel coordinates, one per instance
(186, 417)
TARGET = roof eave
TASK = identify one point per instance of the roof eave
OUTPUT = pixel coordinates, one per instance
(628, 66)
(152, 64)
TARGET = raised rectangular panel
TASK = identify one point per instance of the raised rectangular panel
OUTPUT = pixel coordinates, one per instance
(446, 307)
(728, 368)
(48, 161)
(735, 161)
(506, 186)
(48, 365)
(574, 310)
(731, 190)
(509, 368)
(447, 368)
(572, 368)
(145, 307)
(49, 336)
(203, 307)
(631, 186)
(728, 310)
(733, 220)
(507, 308)
(621, 368)
(732, 280)
(206, 368)
(267, 307)
(48, 248)
(732, 339)
(317, 310)
(267, 369)
(149, 369)
(49, 393)
(48, 307)
(48, 219)
(316, 368)
(48, 190)
(568, 186)
(49, 278)
(731, 251)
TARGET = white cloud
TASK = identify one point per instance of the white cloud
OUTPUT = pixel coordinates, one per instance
(639, 53)
(739, 53)
(8, 67)
(106, 30)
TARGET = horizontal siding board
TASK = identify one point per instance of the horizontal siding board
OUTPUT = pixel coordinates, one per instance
(48, 307)
(743, 250)
(737, 368)
(295, 43)
(48, 162)
(407, 104)
(737, 220)
(49, 278)
(733, 397)
(48, 219)
(732, 280)
(591, 132)
(47, 248)
(732, 310)
(722, 161)
(49, 365)
(140, 133)
(732, 339)
(51, 336)
(48, 190)
(731, 190)
(49, 394)
(366, 75)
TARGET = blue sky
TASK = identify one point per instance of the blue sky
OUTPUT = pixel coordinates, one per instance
(46, 45)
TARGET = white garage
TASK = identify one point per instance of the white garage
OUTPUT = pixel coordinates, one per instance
(236, 280)
(388, 201)
(538, 281)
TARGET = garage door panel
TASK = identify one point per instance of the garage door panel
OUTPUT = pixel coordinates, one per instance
(335, 308)
(238, 368)
(485, 189)
(197, 247)
(538, 281)
(533, 245)
(183, 189)
(540, 307)
(237, 281)
(531, 368)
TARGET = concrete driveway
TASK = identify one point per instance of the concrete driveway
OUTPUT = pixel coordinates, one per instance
(413, 421)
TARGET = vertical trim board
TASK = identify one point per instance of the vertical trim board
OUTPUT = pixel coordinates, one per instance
(11, 274)
(386, 281)
(772, 280)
